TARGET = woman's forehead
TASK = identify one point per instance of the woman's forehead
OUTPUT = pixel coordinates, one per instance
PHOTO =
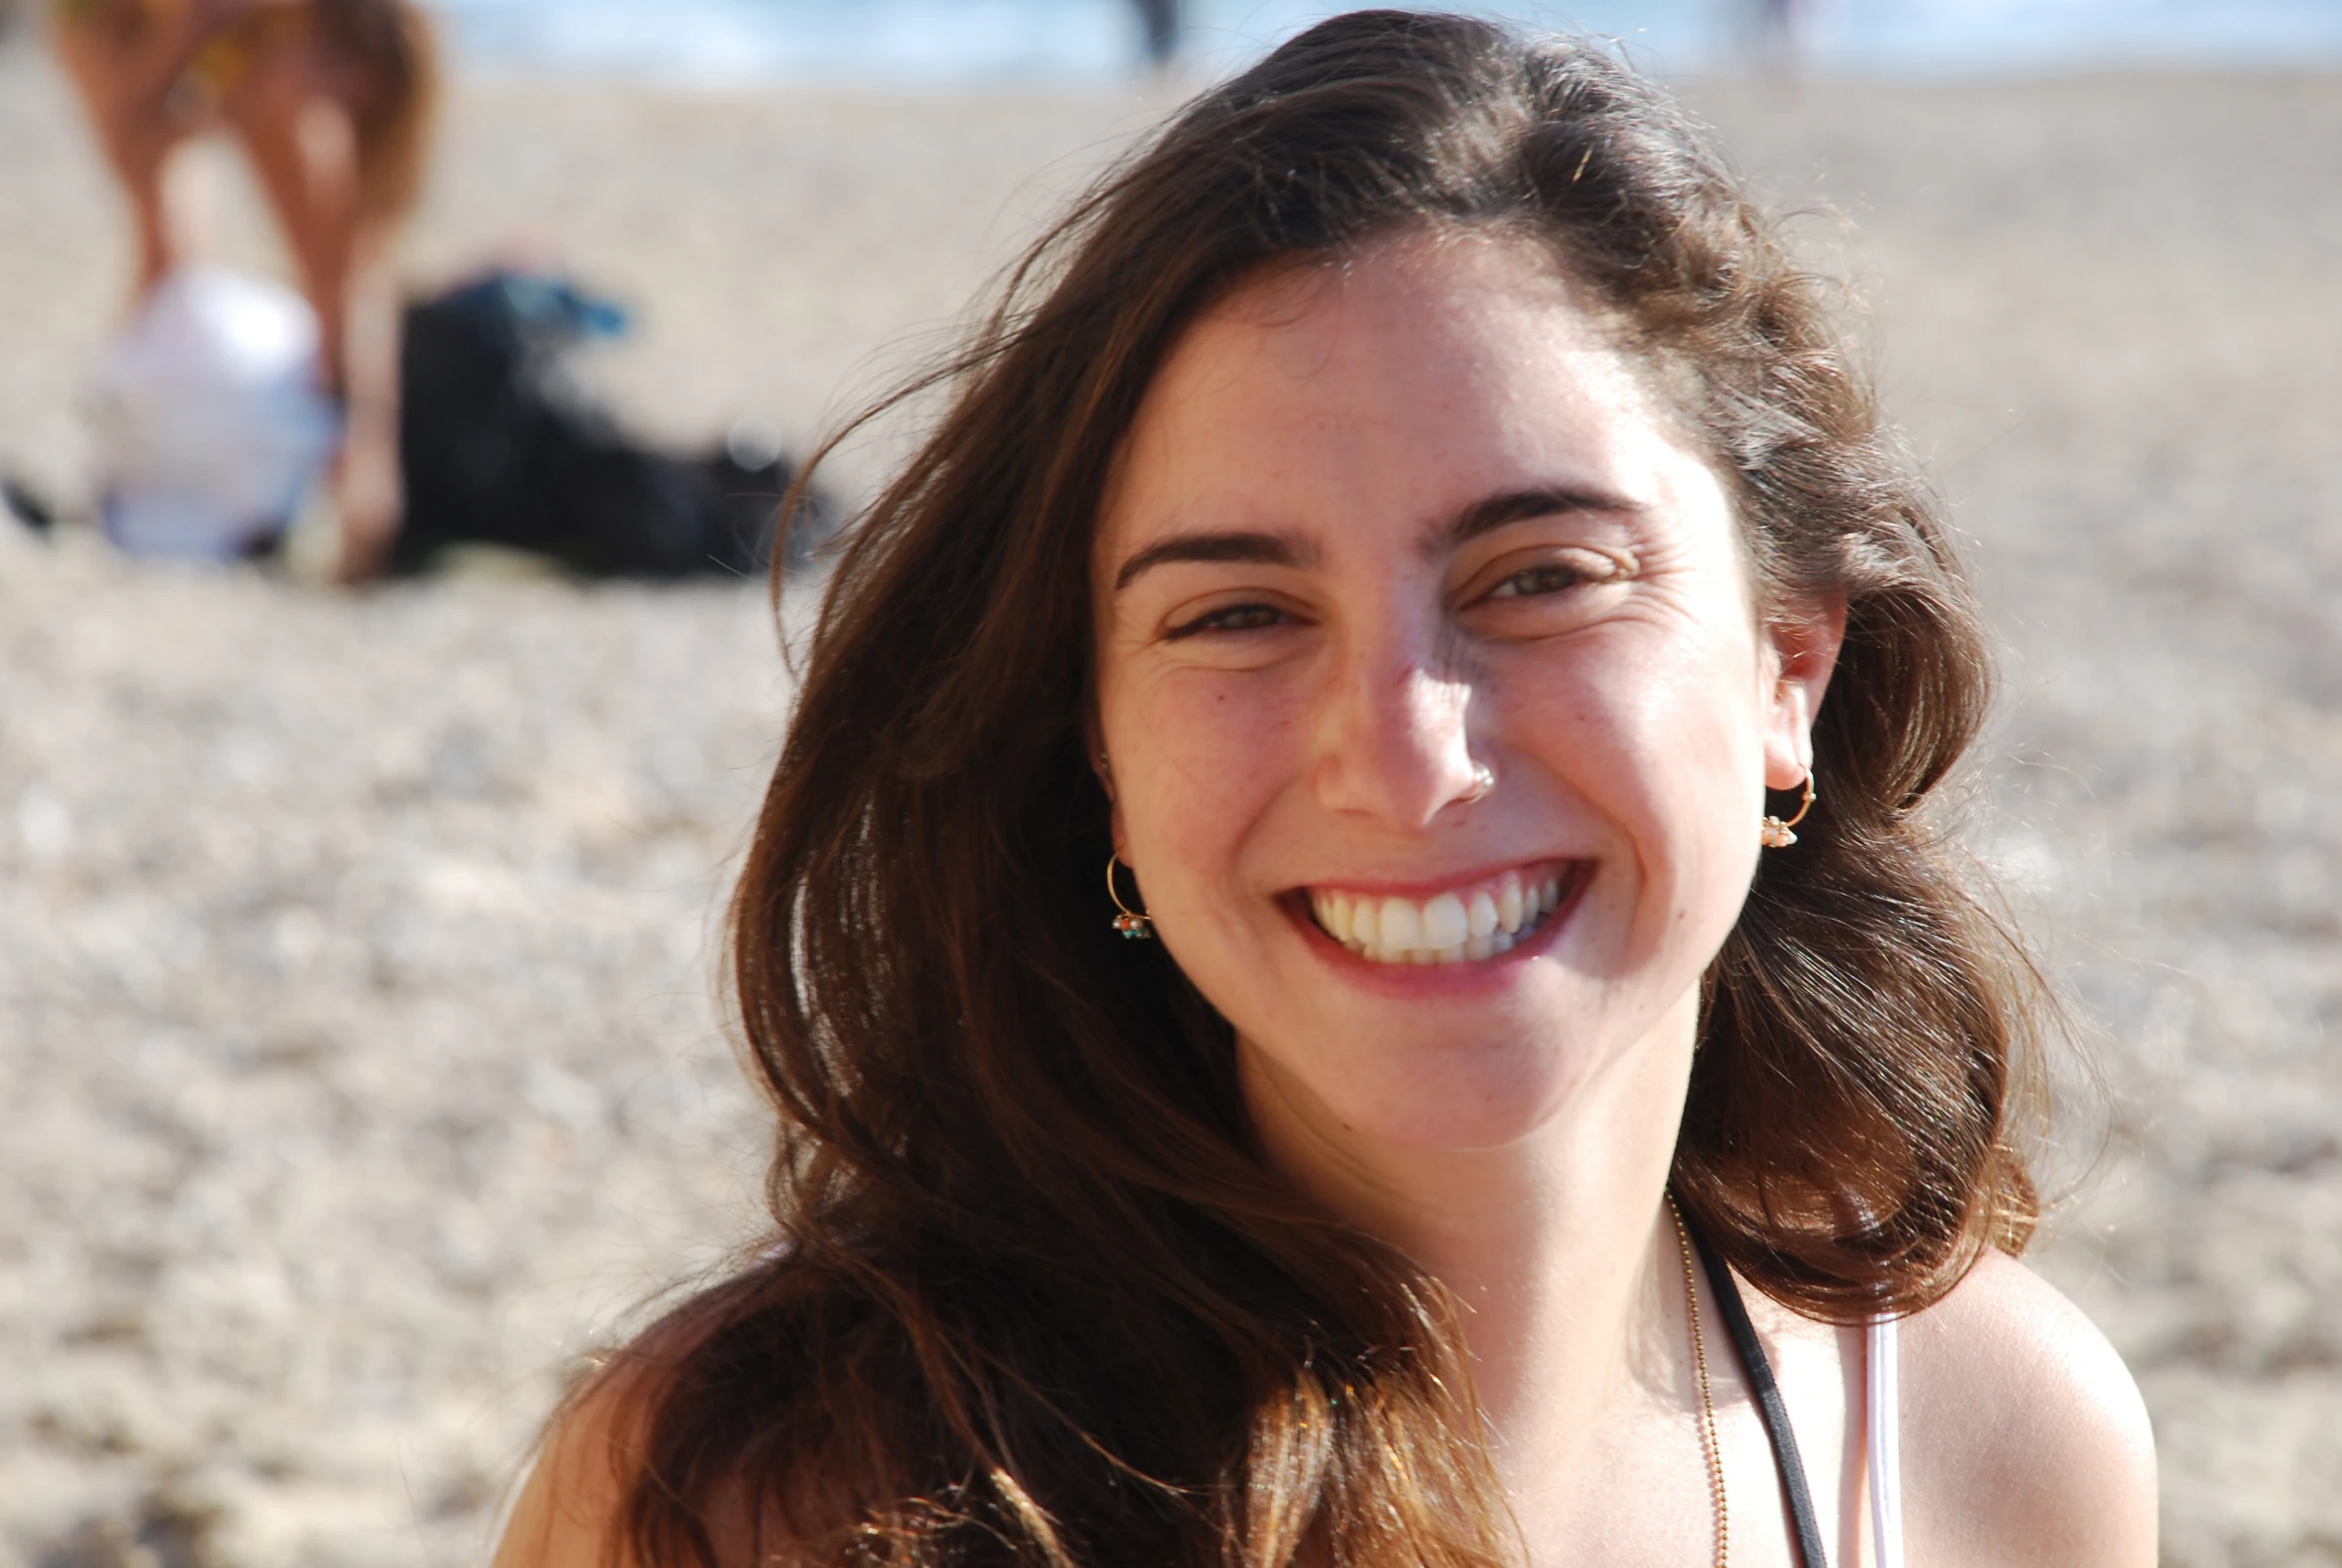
(1433, 280)
(1421, 373)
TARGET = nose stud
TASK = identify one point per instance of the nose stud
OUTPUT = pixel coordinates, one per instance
(1483, 780)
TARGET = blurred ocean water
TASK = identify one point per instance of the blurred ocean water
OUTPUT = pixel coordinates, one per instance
(717, 41)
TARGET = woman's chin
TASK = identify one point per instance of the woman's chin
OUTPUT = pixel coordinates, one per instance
(1425, 1096)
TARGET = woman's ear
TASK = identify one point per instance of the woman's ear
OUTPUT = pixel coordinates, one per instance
(1094, 746)
(1804, 641)
(1102, 766)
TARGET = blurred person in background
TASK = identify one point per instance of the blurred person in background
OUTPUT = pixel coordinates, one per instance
(445, 425)
(227, 397)
(1784, 32)
(1161, 21)
(1558, 1097)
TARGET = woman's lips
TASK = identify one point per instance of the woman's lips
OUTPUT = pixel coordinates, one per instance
(1469, 922)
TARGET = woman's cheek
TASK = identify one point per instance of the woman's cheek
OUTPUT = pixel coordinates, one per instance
(1647, 734)
(1208, 754)
(1705, 761)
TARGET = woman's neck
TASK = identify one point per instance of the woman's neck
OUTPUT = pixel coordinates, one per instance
(1550, 1246)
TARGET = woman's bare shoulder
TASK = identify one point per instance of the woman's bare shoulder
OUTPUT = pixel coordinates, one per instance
(571, 1511)
(577, 1508)
(2025, 1439)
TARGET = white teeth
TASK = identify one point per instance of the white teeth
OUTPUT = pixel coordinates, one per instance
(1445, 925)
(1448, 927)
(1482, 913)
(1398, 925)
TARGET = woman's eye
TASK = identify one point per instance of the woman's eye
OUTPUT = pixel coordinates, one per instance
(1530, 581)
(1236, 617)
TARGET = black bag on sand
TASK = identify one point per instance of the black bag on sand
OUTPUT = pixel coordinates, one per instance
(496, 448)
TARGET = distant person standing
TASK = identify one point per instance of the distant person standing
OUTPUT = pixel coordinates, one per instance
(1784, 29)
(225, 394)
(1160, 18)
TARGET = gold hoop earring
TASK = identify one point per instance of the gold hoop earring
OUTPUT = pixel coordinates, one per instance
(1775, 832)
(1132, 924)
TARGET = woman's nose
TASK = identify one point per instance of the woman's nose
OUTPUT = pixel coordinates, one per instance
(1395, 743)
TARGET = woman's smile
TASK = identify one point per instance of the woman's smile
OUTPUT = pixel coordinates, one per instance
(1466, 920)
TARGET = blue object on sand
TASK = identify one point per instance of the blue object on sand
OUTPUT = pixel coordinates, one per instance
(548, 307)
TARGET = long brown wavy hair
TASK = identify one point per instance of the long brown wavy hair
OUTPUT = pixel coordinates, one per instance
(1036, 1298)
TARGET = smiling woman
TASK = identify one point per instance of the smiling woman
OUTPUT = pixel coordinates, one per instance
(1465, 630)
(1411, 515)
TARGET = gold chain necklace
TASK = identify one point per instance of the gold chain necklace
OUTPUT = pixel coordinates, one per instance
(1714, 1450)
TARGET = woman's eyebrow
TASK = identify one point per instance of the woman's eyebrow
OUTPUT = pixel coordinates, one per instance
(1545, 501)
(1270, 550)
(1284, 550)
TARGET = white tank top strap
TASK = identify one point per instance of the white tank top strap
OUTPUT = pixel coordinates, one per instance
(1883, 1423)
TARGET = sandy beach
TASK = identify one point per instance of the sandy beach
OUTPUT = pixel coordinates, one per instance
(358, 1069)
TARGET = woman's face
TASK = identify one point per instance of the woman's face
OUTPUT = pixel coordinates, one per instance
(1382, 533)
